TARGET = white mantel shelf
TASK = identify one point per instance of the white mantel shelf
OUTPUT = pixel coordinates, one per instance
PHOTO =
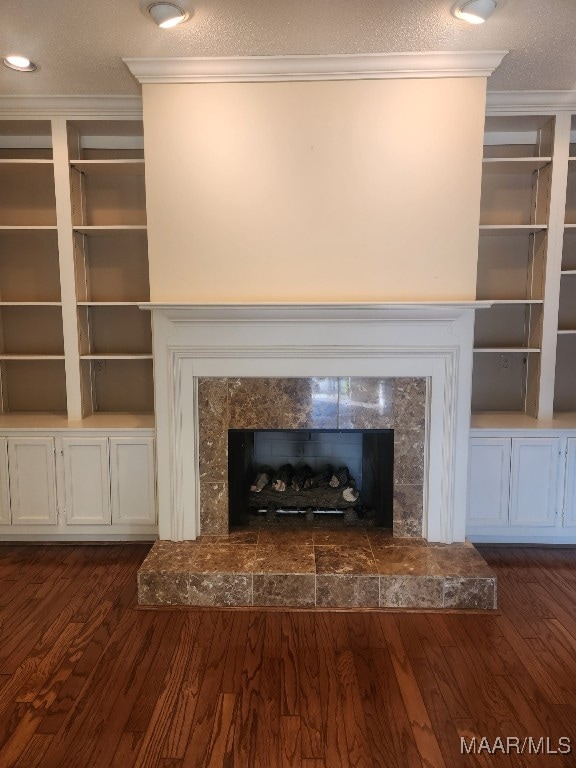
(422, 310)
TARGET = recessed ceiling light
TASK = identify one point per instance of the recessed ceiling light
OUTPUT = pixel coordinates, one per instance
(474, 11)
(20, 63)
(167, 15)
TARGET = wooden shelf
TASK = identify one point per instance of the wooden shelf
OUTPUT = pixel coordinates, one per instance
(514, 164)
(14, 356)
(59, 421)
(506, 350)
(111, 303)
(116, 356)
(109, 230)
(30, 303)
(32, 228)
(122, 167)
(512, 229)
(513, 301)
(24, 162)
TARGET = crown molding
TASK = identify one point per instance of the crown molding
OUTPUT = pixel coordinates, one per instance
(530, 102)
(107, 107)
(371, 66)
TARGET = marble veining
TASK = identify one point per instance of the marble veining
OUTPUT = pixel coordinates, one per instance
(313, 403)
(317, 568)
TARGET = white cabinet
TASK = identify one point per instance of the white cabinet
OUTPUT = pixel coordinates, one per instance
(74, 485)
(522, 488)
(534, 475)
(32, 473)
(4, 488)
(86, 480)
(132, 480)
(488, 481)
(570, 489)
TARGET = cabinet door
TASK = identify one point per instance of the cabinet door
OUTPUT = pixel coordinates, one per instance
(32, 471)
(132, 477)
(570, 490)
(534, 482)
(86, 480)
(488, 481)
(4, 486)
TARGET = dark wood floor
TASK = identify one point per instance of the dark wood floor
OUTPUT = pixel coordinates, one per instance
(88, 680)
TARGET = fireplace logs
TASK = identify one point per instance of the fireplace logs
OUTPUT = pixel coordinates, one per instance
(301, 489)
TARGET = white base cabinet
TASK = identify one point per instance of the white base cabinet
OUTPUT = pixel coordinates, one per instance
(86, 480)
(522, 489)
(132, 469)
(32, 477)
(76, 486)
(570, 495)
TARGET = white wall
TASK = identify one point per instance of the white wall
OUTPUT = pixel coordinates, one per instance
(314, 191)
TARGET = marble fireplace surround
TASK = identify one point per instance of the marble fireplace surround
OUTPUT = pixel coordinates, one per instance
(429, 341)
(312, 403)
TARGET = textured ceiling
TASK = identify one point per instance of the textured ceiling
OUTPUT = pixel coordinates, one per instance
(79, 44)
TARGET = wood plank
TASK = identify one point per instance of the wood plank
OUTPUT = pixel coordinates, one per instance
(309, 687)
(168, 691)
(267, 744)
(377, 703)
(148, 697)
(441, 718)
(423, 732)
(354, 721)
(331, 700)
(33, 754)
(220, 748)
(182, 721)
(83, 666)
(290, 670)
(207, 704)
(446, 681)
(108, 691)
(290, 741)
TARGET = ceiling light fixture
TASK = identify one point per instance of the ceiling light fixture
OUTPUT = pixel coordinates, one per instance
(474, 11)
(20, 63)
(167, 15)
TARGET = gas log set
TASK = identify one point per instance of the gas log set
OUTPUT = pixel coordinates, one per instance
(303, 489)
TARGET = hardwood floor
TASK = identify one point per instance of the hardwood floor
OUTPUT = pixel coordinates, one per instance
(89, 680)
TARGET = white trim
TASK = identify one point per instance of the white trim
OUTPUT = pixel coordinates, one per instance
(367, 66)
(301, 313)
(71, 107)
(530, 102)
(540, 538)
(431, 341)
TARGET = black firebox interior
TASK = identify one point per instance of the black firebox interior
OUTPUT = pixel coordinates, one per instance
(377, 485)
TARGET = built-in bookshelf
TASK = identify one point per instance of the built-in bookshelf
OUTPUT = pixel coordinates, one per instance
(73, 269)
(529, 324)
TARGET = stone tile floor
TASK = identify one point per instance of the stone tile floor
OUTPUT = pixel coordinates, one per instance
(316, 567)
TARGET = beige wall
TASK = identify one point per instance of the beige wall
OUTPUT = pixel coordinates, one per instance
(316, 191)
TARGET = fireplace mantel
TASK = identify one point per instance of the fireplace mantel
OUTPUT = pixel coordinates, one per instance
(412, 339)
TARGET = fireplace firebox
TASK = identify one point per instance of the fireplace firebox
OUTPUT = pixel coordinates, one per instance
(311, 475)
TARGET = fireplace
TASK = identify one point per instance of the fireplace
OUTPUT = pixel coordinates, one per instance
(311, 477)
(401, 368)
(221, 367)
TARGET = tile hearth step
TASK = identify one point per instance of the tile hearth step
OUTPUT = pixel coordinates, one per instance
(358, 568)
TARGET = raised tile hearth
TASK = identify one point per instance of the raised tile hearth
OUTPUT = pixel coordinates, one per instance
(316, 568)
